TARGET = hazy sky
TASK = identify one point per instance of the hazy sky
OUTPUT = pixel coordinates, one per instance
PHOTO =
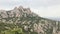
(50, 8)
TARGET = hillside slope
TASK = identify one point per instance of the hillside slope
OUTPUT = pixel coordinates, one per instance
(29, 21)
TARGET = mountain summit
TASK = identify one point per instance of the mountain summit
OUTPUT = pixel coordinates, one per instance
(16, 12)
(29, 21)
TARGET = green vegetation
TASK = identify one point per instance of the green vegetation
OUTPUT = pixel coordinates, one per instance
(13, 31)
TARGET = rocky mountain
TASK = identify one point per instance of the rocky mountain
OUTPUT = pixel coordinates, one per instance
(29, 21)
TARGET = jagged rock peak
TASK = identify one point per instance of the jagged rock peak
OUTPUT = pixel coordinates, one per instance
(22, 9)
(17, 12)
(15, 8)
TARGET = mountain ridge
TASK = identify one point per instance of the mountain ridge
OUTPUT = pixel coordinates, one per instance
(23, 17)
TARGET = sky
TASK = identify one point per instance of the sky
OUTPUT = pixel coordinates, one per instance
(44, 8)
